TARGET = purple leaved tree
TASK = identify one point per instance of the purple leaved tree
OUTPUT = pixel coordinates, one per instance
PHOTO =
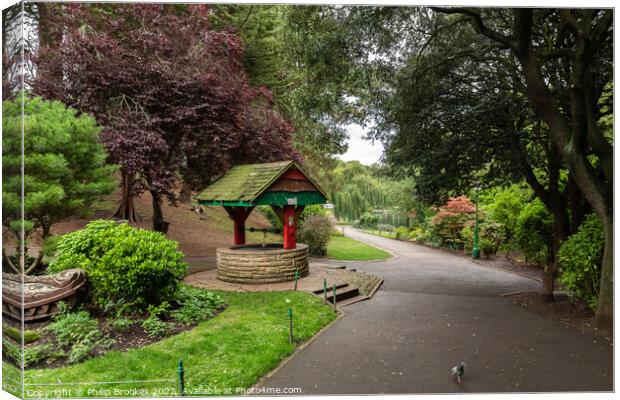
(169, 90)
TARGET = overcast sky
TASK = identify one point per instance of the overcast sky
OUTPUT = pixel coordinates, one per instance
(365, 151)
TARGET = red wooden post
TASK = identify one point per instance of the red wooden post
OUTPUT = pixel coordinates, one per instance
(238, 215)
(289, 227)
(239, 233)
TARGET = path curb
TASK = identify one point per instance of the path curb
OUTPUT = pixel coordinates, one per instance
(299, 348)
(375, 288)
(507, 271)
(509, 294)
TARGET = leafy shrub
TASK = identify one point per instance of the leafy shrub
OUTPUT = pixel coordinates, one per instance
(315, 232)
(32, 354)
(123, 262)
(161, 310)
(154, 325)
(196, 305)
(467, 237)
(450, 220)
(367, 221)
(506, 206)
(37, 353)
(117, 308)
(402, 233)
(416, 234)
(488, 247)
(580, 259)
(69, 327)
(431, 236)
(533, 230)
(78, 334)
(12, 351)
(313, 209)
(493, 234)
(121, 324)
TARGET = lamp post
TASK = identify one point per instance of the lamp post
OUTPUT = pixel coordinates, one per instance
(475, 253)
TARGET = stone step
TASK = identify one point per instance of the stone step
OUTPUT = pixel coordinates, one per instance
(352, 300)
(344, 293)
(319, 291)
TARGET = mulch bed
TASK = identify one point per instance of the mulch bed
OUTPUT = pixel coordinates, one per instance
(571, 312)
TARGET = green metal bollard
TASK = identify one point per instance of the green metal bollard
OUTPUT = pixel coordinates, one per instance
(290, 326)
(334, 297)
(325, 290)
(296, 277)
(475, 253)
(181, 373)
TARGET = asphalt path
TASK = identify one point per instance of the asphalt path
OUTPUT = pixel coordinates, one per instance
(434, 310)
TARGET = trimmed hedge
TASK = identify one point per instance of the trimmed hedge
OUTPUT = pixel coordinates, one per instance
(135, 265)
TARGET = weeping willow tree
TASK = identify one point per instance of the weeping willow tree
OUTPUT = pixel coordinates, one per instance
(352, 200)
(356, 189)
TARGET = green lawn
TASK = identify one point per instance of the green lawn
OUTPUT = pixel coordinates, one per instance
(391, 235)
(11, 379)
(344, 248)
(230, 351)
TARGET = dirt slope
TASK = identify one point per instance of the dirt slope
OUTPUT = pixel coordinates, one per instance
(198, 234)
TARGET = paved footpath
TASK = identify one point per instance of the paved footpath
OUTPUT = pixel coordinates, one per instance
(434, 310)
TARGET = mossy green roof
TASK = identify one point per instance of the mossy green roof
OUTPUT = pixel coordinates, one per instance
(245, 183)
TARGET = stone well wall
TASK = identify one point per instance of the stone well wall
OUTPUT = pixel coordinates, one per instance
(253, 264)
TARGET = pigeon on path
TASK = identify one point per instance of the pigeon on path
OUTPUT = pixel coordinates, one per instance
(458, 371)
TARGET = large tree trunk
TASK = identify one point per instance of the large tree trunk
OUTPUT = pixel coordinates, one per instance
(561, 230)
(186, 193)
(555, 202)
(126, 209)
(569, 136)
(578, 206)
(159, 224)
(604, 311)
(45, 12)
(45, 34)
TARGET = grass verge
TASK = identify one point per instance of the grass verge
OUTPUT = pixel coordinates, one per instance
(220, 356)
(385, 234)
(347, 249)
(11, 379)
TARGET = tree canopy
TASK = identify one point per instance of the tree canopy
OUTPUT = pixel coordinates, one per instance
(498, 95)
(170, 92)
(65, 168)
(277, 55)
